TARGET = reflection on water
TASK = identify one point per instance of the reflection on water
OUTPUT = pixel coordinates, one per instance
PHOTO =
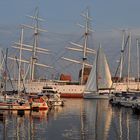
(78, 120)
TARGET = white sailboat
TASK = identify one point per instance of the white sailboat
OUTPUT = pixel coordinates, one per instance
(99, 81)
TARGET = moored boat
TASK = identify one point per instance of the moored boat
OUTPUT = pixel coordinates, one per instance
(31, 103)
(128, 101)
(38, 103)
(53, 96)
(14, 104)
(99, 81)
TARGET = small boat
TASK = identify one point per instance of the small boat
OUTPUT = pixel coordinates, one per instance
(53, 96)
(99, 81)
(115, 98)
(125, 99)
(128, 101)
(33, 103)
(55, 100)
(14, 104)
(38, 103)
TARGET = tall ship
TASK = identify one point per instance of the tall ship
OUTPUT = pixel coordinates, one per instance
(64, 85)
(29, 83)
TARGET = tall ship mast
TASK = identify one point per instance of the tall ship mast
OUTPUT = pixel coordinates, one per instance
(84, 47)
(34, 49)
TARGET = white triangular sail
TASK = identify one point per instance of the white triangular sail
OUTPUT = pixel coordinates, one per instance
(103, 71)
(91, 83)
(100, 77)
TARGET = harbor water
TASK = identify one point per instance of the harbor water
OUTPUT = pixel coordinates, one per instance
(78, 119)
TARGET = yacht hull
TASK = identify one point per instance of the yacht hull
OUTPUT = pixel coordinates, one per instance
(95, 96)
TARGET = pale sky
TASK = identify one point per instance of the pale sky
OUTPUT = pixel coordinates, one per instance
(109, 17)
(105, 13)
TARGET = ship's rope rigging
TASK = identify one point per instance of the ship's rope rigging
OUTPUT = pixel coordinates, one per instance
(64, 53)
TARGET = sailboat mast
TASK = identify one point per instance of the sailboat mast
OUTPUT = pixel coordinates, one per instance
(97, 68)
(138, 63)
(129, 58)
(122, 51)
(82, 48)
(85, 44)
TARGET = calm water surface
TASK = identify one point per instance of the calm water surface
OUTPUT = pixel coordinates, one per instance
(79, 119)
